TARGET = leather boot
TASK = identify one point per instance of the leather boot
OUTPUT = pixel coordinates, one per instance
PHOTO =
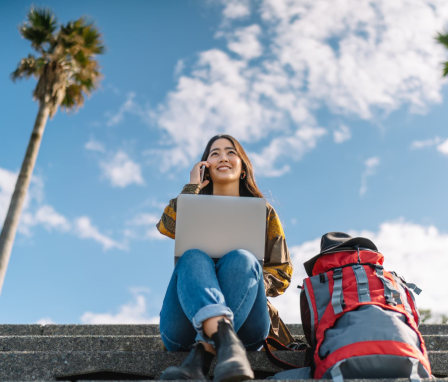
(231, 358)
(195, 366)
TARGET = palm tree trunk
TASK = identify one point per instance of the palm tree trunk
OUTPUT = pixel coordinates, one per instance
(18, 197)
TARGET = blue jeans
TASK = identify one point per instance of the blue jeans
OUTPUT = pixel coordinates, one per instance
(200, 289)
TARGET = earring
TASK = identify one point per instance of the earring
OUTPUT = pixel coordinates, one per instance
(243, 174)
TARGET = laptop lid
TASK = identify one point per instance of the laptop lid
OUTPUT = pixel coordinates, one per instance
(220, 224)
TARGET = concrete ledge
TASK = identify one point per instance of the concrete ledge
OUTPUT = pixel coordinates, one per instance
(140, 329)
(125, 343)
(48, 365)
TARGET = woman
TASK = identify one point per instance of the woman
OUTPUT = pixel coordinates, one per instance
(221, 308)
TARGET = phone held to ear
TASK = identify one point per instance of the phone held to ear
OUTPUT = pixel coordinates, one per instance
(202, 173)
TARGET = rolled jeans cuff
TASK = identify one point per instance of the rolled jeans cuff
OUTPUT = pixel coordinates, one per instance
(207, 312)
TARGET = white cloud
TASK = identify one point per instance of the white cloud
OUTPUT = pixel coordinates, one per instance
(370, 166)
(129, 106)
(416, 252)
(425, 143)
(362, 56)
(48, 217)
(144, 219)
(443, 147)
(34, 213)
(134, 312)
(342, 134)
(85, 230)
(292, 147)
(45, 321)
(244, 42)
(94, 145)
(144, 227)
(358, 59)
(236, 9)
(121, 171)
(45, 215)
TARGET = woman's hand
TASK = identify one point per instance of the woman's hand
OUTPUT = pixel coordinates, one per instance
(195, 174)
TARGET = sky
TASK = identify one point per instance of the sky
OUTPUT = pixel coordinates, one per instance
(341, 106)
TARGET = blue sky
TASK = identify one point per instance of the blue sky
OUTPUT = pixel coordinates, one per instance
(342, 109)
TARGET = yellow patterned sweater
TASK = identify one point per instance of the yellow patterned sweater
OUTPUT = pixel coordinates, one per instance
(277, 267)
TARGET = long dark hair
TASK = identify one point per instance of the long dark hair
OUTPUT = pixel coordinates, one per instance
(248, 186)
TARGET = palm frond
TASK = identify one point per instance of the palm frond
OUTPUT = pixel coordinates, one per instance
(442, 39)
(92, 39)
(39, 28)
(28, 66)
(445, 69)
(74, 97)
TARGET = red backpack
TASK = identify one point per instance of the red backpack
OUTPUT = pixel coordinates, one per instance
(360, 320)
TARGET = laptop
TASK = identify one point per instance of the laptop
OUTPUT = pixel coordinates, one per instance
(220, 224)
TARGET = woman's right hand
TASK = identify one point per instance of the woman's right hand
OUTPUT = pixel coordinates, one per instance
(195, 174)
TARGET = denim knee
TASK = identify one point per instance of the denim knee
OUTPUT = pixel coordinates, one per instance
(192, 257)
(243, 260)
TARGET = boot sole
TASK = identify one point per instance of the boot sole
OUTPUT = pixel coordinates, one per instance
(237, 376)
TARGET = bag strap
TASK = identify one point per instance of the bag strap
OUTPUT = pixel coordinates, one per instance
(270, 341)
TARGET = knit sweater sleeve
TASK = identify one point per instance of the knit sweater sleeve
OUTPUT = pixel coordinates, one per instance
(277, 268)
(167, 223)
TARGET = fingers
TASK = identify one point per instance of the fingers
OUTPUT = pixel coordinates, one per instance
(195, 173)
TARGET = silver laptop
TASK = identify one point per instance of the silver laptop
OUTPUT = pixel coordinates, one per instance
(220, 224)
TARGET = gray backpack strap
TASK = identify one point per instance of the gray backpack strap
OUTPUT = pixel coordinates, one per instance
(362, 283)
(390, 293)
(414, 287)
(336, 374)
(414, 377)
(337, 299)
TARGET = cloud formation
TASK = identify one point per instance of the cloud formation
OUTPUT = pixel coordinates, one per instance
(93, 145)
(143, 226)
(86, 230)
(35, 213)
(121, 171)
(440, 144)
(410, 249)
(355, 59)
(370, 166)
(133, 312)
(48, 217)
(342, 134)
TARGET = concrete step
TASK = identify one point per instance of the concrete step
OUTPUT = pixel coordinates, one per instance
(93, 352)
(146, 365)
(126, 342)
(81, 330)
(140, 329)
(80, 343)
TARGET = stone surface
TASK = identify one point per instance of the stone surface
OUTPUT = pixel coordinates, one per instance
(111, 352)
(80, 343)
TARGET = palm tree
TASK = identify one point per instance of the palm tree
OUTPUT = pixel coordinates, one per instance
(443, 39)
(66, 70)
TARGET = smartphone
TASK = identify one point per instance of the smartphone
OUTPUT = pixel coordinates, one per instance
(202, 173)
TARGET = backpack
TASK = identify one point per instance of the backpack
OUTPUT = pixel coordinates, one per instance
(360, 320)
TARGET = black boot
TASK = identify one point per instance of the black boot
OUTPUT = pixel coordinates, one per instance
(231, 358)
(195, 366)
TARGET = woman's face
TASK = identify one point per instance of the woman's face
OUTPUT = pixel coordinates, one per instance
(225, 164)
